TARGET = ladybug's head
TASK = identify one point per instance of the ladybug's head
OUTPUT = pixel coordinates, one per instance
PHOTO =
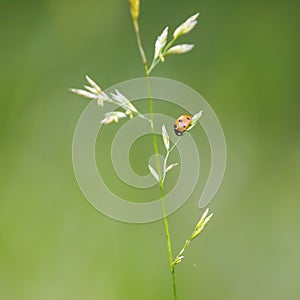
(177, 132)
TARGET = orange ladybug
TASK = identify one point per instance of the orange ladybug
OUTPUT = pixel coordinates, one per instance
(182, 124)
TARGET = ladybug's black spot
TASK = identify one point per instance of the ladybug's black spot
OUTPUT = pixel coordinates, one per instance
(188, 118)
(184, 126)
(180, 121)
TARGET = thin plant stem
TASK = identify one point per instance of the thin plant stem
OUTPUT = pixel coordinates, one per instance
(138, 114)
(186, 244)
(155, 148)
(166, 159)
(139, 42)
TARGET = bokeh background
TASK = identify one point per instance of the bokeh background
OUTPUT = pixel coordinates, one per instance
(55, 245)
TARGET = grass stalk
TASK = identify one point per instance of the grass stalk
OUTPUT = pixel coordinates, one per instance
(155, 148)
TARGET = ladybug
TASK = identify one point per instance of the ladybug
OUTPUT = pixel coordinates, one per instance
(182, 124)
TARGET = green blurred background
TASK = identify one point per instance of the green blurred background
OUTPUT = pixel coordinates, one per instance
(55, 245)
